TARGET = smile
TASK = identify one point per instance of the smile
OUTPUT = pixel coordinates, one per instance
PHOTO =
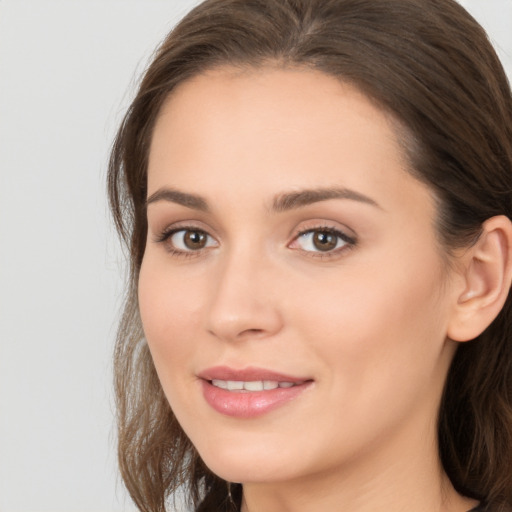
(254, 385)
(250, 392)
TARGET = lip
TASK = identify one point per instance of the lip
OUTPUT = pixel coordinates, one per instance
(249, 404)
(248, 374)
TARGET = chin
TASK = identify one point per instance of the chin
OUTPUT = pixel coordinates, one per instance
(254, 462)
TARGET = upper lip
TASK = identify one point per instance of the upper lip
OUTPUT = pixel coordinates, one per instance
(248, 374)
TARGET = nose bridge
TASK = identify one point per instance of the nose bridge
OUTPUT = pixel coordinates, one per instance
(240, 304)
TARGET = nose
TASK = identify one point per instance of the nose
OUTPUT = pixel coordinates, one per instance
(243, 302)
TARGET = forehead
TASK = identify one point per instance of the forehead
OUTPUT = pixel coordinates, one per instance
(262, 129)
(273, 98)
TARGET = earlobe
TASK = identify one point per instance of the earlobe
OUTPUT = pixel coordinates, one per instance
(487, 275)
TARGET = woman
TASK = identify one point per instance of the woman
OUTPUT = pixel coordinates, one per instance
(316, 195)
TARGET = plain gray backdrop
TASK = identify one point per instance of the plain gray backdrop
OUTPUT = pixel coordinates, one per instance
(67, 71)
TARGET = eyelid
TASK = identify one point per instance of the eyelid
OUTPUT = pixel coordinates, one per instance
(164, 236)
(349, 240)
(161, 231)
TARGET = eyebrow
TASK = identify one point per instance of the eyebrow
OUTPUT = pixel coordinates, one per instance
(192, 201)
(292, 200)
(282, 202)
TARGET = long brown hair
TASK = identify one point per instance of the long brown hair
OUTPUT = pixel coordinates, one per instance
(430, 65)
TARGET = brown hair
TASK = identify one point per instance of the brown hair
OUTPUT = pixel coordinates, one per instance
(430, 64)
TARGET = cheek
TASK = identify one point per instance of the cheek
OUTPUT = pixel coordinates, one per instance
(377, 348)
(377, 325)
(169, 312)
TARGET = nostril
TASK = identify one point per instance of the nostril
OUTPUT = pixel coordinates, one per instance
(242, 315)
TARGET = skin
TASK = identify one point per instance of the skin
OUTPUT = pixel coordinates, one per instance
(367, 321)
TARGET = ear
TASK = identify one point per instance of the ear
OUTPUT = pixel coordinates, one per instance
(486, 278)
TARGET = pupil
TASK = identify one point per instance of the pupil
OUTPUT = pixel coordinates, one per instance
(324, 241)
(195, 239)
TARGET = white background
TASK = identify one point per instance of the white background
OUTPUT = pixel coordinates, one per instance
(67, 71)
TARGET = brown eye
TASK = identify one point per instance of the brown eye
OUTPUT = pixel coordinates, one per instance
(324, 240)
(195, 240)
(188, 240)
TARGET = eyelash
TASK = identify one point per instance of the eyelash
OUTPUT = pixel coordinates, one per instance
(166, 235)
(349, 242)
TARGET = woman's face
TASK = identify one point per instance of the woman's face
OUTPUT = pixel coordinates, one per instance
(292, 259)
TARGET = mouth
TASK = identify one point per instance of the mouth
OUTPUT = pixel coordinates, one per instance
(250, 392)
(252, 385)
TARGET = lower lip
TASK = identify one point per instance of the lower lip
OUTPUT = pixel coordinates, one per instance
(249, 404)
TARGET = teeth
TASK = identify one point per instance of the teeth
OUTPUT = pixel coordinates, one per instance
(223, 384)
(235, 385)
(254, 386)
(257, 385)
